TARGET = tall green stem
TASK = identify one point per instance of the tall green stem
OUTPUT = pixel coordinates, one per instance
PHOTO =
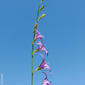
(32, 60)
(33, 44)
(32, 72)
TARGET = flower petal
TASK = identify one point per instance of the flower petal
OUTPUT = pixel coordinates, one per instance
(46, 82)
(39, 43)
(37, 32)
(45, 75)
(44, 64)
(42, 47)
(38, 35)
(46, 52)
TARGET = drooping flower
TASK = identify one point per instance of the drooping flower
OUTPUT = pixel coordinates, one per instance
(44, 64)
(46, 82)
(41, 47)
(38, 35)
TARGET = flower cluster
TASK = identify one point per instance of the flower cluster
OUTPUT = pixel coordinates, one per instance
(40, 48)
(46, 82)
(38, 40)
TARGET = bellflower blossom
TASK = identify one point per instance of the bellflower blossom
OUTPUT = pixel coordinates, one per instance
(38, 35)
(41, 47)
(44, 65)
(46, 82)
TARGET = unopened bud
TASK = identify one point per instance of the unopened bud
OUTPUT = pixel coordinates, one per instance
(41, 7)
(35, 27)
(41, 1)
(43, 15)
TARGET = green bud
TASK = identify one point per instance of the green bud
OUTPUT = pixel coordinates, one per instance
(37, 69)
(35, 27)
(34, 52)
(43, 15)
(41, 1)
(41, 7)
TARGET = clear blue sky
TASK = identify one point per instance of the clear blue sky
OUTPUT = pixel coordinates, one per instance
(64, 31)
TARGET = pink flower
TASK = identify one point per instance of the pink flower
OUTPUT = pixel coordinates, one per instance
(46, 82)
(41, 47)
(38, 35)
(44, 65)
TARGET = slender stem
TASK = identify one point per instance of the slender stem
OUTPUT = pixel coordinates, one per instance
(33, 43)
(32, 72)
(32, 60)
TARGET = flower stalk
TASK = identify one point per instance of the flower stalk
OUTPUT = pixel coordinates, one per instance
(37, 35)
(35, 27)
(32, 60)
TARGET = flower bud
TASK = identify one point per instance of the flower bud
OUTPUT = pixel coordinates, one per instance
(35, 27)
(41, 1)
(43, 15)
(41, 7)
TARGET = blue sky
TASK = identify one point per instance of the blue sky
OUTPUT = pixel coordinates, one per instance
(64, 31)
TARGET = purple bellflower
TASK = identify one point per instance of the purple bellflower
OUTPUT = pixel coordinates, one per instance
(46, 82)
(43, 65)
(38, 35)
(41, 47)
